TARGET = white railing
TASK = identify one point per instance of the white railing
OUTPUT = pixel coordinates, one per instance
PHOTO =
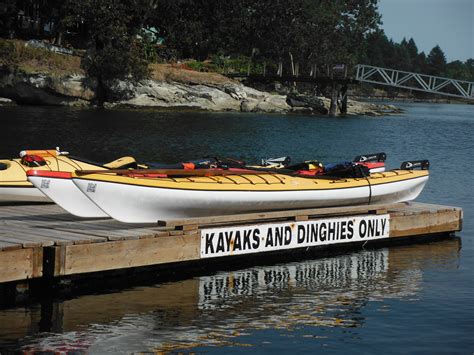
(415, 81)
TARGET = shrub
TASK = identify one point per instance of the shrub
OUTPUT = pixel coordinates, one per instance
(8, 54)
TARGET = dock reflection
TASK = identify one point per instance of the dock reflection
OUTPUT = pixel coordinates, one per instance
(215, 310)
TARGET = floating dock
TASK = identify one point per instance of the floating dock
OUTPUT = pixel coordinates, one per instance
(42, 242)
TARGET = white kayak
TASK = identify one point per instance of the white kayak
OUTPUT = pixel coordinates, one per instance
(59, 187)
(14, 185)
(147, 199)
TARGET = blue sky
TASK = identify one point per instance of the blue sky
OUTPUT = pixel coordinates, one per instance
(447, 23)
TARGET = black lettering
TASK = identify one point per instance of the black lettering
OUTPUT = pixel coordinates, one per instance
(362, 228)
(220, 243)
(377, 229)
(279, 236)
(247, 234)
(332, 231)
(287, 235)
(313, 235)
(350, 229)
(371, 228)
(256, 238)
(209, 243)
(269, 241)
(343, 230)
(228, 239)
(322, 231)
(384, 223)
(301, 234)
(237, 242)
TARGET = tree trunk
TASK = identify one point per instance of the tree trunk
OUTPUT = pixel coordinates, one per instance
(334, 95)
(344, 100)
(292, 64)
(101, 92)
(59, 38)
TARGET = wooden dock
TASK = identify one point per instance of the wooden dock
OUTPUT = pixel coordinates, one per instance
(42, 241)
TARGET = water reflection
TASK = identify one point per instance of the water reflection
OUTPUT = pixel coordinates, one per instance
(216, 310)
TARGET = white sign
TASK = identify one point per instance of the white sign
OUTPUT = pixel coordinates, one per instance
(279, 236)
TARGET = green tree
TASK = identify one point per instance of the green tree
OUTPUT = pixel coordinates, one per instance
(113, 50)
(436, 62)
(413, 53)
(8, 11)
(330, 31)
(377, 49)
(457, 70)
(470, 69)
(421, 63)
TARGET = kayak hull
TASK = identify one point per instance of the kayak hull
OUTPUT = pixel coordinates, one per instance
(22, 193)
(63, 192)
(14, 185)
(138, 204)
(132, 203)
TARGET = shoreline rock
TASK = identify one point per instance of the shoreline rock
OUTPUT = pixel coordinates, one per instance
(5, 101)
(78, 91)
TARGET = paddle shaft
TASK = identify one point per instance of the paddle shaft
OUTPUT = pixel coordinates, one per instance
(173, 172)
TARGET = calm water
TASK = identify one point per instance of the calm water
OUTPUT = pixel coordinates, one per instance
(412, 299)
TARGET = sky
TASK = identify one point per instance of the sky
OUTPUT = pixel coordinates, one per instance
(447, 23)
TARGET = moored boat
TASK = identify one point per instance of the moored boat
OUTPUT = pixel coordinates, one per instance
(147, 196)
(14, 185)
(59, 187)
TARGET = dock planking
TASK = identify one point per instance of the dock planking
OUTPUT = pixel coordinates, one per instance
(30, 234)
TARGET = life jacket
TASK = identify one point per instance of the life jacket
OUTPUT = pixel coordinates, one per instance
(32, 160)
(308, 168)
(313, 172)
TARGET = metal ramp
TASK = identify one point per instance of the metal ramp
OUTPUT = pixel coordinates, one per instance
(414, 81)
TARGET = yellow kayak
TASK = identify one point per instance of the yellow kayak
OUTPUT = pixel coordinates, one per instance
(141, 197)
(14, 185)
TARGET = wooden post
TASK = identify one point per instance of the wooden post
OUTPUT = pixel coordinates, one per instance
(248, 68)
(334, 95)
(280, 69)
(292, 64)
(264, 68)
(344, 100)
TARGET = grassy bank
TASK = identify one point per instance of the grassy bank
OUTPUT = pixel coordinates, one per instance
(16, 55)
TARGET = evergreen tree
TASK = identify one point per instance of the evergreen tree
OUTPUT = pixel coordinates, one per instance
(378, 49)
(421, 63)
(457, 70)
(413, 53)
(470, 69)
(436, 62)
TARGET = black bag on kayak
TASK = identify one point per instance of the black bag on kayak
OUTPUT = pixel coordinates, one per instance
(346, 169)
(226, 163)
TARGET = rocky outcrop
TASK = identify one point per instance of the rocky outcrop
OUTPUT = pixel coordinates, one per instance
(225, 97)
(42, 89)
(358, 108)
(306, 103)
(76, 90)
(5, 101)
(210, 95)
